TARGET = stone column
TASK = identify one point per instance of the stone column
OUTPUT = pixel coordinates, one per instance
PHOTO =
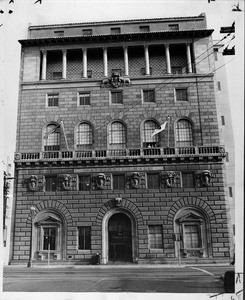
(64, 64)
(188, 55)
(125, 51)
(85, 63)
(105, 60)
(147, 63)
(44, 65)
(167, 54)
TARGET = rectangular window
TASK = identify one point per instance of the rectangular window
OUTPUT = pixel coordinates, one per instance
(51, 183)
(230, 192)
(192, 239)
(148, 96)
(53, 100)
(143, 72)
(219, 85)
(176, 70)
(84, 98)
(116, 97)
(84, 183)
(118, 181)
(145, 28)
(188, 180)
(59, 33)
(174, 27)
(155, 237)
(49, 238)
(153, 181)
(84, 238)
(87, 32)
(181, 94)
(115, 30)
(222, 120)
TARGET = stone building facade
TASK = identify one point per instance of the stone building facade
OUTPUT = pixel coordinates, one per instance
(118, 150)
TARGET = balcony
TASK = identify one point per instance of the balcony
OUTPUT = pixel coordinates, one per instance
(121, 154)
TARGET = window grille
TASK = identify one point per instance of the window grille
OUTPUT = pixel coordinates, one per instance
(51, 183)
(84, 183)
(84, 135)
(84, 98)
(181, 94)
(117, 135)
(116, 97)
(51, 138)
(188, 180)
(148, 129)
(53, 100)
(153, 181)
(149, 96)
(118, 181)
(84, 238)
(184, 136)
(155, 237)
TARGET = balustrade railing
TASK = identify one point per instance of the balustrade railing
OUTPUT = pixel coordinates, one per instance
(117, 153)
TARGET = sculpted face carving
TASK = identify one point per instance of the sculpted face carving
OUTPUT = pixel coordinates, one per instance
(205, 178)
(100, 181)
(33, 183)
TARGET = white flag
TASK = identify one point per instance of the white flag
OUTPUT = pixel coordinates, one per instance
(159, 130)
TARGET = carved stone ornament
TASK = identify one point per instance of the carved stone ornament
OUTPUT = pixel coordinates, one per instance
(33, 183)
(170, 179)
(115, 81)
(17, 156)
(205, 177)
(118, 201)
(66, 182)
(135, 180)
(100, 181)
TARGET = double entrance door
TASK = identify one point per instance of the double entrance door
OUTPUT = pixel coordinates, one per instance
(120, 238)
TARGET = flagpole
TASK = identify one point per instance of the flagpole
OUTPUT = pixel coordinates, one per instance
(168, 131)
(63, 128)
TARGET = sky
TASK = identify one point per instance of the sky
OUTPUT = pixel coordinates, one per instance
(14, 27)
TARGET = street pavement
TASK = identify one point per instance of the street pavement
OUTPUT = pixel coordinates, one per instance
(107, 279)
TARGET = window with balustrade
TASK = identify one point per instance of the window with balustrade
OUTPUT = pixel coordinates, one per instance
(148, 139)
(117, 135)
(84, 136)
(184, 133)
(51, 138)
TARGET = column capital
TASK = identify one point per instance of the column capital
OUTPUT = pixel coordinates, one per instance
(146, 46)
(44, 51)
(64, 50)
(84, 49)
(104, 48)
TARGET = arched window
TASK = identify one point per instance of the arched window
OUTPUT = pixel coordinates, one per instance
(147, 138)
(117, 136)
(51, 138)
(84, 135)
(184, 135)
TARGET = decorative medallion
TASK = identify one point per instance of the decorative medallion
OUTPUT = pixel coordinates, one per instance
(115, 81)
(33, 183)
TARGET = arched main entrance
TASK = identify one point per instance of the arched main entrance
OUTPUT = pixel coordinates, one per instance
(120, 238)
